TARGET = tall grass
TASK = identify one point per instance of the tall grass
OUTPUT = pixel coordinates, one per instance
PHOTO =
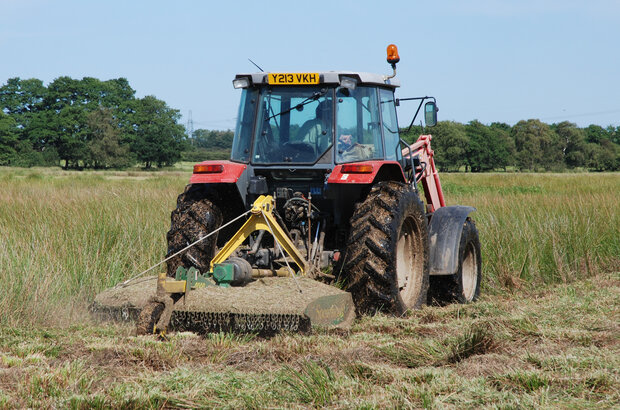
(542, 228)
(64, 236)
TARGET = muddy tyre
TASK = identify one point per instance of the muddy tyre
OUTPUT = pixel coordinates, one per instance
(194, 218)
(464, 285)
(148, 318)
(387, 251)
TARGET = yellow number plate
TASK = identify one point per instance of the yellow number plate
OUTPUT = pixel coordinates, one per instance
(293, 78)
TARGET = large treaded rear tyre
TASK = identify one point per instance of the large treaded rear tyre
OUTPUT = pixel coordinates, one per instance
(387, 251)
(464, 285)
(194, 218)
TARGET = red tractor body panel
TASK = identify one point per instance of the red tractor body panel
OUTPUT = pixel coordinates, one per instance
(230, 173)
(363, 172)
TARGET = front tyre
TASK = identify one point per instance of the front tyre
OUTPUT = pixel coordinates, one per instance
(387, 251)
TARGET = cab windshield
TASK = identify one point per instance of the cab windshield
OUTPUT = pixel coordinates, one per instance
(294, 125)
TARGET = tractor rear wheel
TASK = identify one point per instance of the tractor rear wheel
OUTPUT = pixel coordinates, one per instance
(194, 218)
(464, 285)
(387, 251)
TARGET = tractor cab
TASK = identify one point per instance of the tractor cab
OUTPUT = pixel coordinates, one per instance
(315, 118)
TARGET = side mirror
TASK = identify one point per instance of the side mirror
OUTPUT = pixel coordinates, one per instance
(430, 113)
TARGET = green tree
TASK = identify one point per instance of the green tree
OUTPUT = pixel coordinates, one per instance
(573, 143)
(450, 142)
(21, 99)
(603, 157)
(8, 139)
(158, 139)
(596, 134)
(488, 147)
(537, 146)
(104, 149)
(614, 133)
(61, 122)
(502, 131)
(212, 139)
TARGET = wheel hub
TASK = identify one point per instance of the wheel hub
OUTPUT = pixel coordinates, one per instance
(470, 277)
(409, 267)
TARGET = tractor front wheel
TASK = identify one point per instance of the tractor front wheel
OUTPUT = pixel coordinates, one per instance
(387, 251)
(464, 285)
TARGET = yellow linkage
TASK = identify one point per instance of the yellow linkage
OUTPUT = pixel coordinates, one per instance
(261, 219)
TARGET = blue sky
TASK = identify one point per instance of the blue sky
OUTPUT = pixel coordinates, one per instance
(489, 60)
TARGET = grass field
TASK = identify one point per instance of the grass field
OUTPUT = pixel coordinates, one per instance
(544, 334)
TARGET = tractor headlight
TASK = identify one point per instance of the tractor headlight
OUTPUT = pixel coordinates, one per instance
(348, 82)
(242, 82)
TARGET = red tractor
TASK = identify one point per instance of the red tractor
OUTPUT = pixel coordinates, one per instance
(326, 148)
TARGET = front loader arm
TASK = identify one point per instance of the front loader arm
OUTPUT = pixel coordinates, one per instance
(427, 172)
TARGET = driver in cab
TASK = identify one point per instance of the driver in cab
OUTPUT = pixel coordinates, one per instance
(314, 131)
(349, 150)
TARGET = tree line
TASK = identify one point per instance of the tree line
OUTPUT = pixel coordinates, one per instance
(208, 144)
(90, 123)
(529, 145)
(86, 123)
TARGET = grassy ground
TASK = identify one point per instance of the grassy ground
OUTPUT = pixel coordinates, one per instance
(556, 347)
(544, 334)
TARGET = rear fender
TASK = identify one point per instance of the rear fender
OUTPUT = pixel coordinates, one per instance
(232, 173)
(381, 171)
(444, 234)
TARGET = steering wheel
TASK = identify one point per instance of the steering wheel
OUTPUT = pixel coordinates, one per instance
(299, 151)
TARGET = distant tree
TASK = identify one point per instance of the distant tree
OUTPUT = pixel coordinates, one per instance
(596, 133)
(488, 148)
(614, 133)
(501, 126)
(212, 139)
(8, 139)
(158, 138)
(61, 122)
(573, 142)
(603, 157)
(104, 149)
(450, 142)
(502, 131)
(537, 146)
(21, 99)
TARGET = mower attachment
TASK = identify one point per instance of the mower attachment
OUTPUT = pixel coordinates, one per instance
(226, 298)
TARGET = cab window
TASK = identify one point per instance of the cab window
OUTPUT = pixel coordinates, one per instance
(390, 125)
(358, 133)
(245, 122)
(294, 125)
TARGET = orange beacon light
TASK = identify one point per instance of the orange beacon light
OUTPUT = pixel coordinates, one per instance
(392, 54)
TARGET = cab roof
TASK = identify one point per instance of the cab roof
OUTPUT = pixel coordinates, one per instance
(331, 77)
